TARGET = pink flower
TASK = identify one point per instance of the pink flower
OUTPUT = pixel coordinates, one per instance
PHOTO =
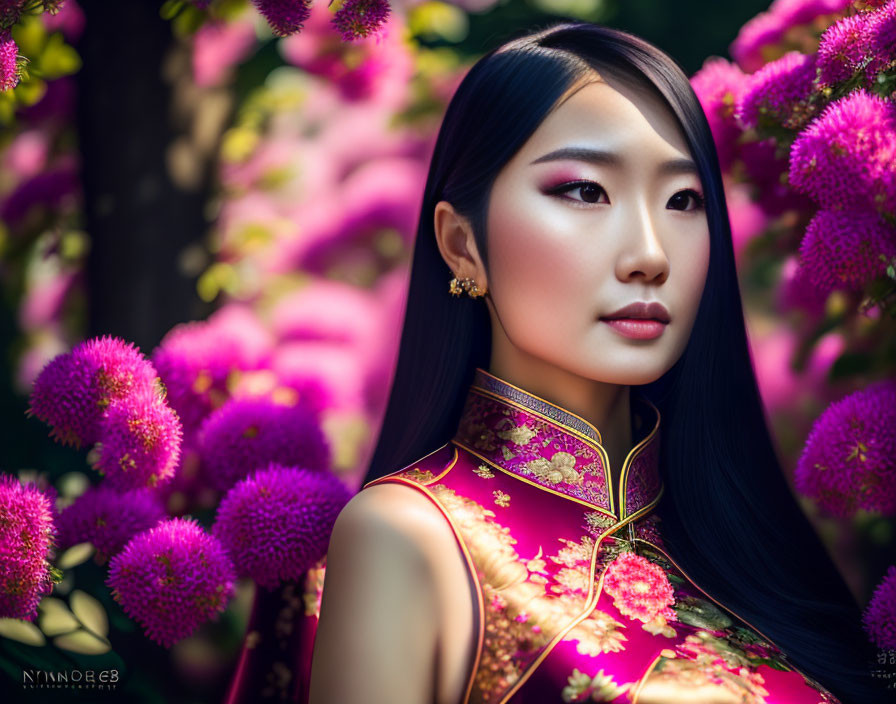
(140, 439)
(842, 49)
(718, 84)
(26, 536)
(171, 578)
(73, 391)
(360, 18)
(640, 588)
(842, 249)
(11, 65)
(879, 618)
(845, 157)
(881, 39)
(247, 433)
(751, 47)
(217, 46)
(108, 519)
(777, 92)
(285, 17)
(277, 523)
(849, 460)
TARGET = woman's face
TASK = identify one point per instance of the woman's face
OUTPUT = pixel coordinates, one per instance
(601, 208)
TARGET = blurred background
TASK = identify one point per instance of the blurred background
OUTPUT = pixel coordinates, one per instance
(237, 195)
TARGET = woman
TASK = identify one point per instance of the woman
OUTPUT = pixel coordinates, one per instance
(575, 496)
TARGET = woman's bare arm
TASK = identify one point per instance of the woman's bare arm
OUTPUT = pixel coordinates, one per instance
(376, 639)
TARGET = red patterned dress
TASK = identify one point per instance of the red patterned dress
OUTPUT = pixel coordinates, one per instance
(577, 599)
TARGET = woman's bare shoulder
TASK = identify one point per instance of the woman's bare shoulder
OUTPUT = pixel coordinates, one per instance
(378, 625)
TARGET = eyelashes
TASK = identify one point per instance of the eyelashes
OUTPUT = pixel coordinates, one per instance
(696, 196)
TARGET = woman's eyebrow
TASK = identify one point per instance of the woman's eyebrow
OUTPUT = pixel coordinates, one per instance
(607, 158)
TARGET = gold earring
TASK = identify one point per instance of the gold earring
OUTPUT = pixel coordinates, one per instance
(456, 287)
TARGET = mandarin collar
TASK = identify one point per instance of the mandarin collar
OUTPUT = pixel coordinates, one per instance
(553, 448)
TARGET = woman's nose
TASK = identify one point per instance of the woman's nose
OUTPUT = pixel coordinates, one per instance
(642, 250)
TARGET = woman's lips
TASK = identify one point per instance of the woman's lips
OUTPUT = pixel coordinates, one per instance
(636, 328)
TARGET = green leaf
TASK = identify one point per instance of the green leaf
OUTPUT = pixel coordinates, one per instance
(82, 642)
(75, 555)
(170, 8)
(55, 618)
(90, 612)
(22, 631)
(58, 58)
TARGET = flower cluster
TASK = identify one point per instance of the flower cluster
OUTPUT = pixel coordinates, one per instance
(849, 461)
(27, 533)
(108, 519)
(172, 578)
(245, 434)
(276, 523)
(879, 618)
(640, 589)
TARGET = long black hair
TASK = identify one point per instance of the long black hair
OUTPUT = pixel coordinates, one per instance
(729, 517)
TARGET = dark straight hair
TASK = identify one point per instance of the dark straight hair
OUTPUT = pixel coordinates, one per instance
(728, 515)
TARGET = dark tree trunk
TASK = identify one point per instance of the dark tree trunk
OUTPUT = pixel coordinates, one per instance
(138, 218)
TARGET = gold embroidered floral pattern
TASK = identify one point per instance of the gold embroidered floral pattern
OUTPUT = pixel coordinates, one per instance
(597, 522)
(523, 609)
(560, 468)
(600, 688)
(519, 435)
(415, 475)
(484, 472)
(502, 499)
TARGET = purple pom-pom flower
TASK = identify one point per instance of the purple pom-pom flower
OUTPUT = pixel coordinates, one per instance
(879, 618)
(843, 49)
(172, 578)
(849, 461)
(247, 433)
(842, 249)
(845, 157)
(73, 390)
(284, 16)
(277, 523)
(881, 39)
(357, 19)
(778, 92)
(27, 533)
(108, 519)
(140, 443)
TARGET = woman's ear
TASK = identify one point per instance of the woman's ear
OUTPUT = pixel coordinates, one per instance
(457, 244)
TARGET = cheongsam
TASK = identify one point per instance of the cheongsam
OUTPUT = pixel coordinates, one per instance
(576, 597)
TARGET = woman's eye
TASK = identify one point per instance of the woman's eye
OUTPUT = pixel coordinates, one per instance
(588, 190)
(680, 200)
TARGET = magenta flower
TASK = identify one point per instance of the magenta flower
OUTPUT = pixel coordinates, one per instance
(196, 359)
(640, 589)
(73, 390)
(284, 16)
(27, 534)
(845, 157)
(750, 47)
(140, 439)
(277, 523)
(777, 92)
(11, 64)
(248, 433)
(879, 618)
(172, 578)
(218, 45)
(849, 461)
(842, 49)
(108, 519)
(881, 38)
(360, 18)
(842, 248)
(718, 85)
